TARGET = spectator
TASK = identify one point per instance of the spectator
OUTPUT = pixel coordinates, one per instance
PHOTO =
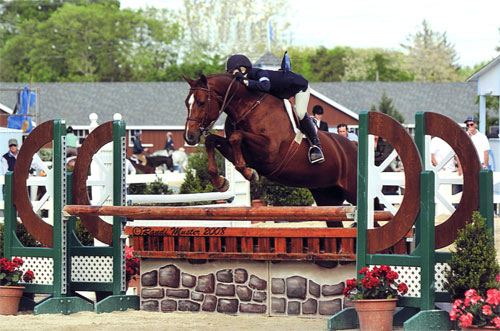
(440, 150)
(480, 142)
(169, 143)
(318, 118)
(137, 149)
(9, 158)
(71, 142)
(382, 151)
(38, 167)
(342, 130)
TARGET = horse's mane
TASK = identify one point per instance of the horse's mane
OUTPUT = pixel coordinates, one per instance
(239, 89)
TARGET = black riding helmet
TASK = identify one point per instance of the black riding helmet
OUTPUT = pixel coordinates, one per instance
(236, 61)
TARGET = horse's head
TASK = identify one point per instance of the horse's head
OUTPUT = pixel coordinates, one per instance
(207, 99)
(202, 109)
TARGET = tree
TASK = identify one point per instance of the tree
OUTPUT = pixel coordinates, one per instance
(224, 27)
(375, 64)
(385, 106)
(473, 262)
(431, 58)
(329, 65)
(92, 42)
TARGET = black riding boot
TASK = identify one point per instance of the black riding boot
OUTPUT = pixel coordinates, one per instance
(309, 129)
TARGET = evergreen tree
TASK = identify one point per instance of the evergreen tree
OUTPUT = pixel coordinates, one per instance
(386, 106)
(431, 58)
(473, 262)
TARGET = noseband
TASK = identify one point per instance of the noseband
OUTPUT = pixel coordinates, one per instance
(225, 102)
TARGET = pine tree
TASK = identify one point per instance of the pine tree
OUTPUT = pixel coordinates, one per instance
(431, 58)
(473, 262)
(386, 106)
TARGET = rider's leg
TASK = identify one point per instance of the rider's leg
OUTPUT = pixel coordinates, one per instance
(307, 126)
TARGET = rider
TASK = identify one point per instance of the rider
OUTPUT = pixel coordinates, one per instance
(282, 84)
(137, 149)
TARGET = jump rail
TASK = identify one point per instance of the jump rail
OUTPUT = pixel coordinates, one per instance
(292, 214)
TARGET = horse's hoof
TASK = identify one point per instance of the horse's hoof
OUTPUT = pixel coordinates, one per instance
(225, 185)
(255, 176)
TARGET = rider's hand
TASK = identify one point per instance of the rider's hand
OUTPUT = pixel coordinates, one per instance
(239, 76)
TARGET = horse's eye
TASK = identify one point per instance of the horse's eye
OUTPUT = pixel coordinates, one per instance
(200, 103)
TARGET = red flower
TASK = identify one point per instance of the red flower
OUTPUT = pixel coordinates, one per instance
(385, 268)
(376, 283)
(470, 293)
(28, 276)
(496, 322)
(402, 288)
(11, 273)
(363, 271)
(497, 278)
(466, 320)
(487, 310)
(493, 296)
(392, 275)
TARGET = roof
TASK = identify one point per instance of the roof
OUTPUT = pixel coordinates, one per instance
(162, 103)
(492, 64)
(268, 61)
(456, 100)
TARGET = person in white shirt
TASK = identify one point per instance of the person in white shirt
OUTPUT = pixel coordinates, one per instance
(480, 141)
(439, 150)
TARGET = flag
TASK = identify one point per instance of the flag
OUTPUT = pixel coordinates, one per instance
(286, 64)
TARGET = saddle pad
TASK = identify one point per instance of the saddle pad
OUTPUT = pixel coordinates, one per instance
(298, 135)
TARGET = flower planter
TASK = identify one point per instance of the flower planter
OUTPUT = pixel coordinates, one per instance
(375, 314)
(480, 328)
(10, 296)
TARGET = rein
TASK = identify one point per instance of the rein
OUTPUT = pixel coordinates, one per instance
(225, 102)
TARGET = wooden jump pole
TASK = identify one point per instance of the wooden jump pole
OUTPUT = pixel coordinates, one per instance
(293, 214)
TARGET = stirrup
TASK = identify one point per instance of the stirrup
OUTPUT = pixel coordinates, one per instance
(316, 155)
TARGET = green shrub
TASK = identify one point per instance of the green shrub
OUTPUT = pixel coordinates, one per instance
(199, 163)
(275, 194)
(157, 187)
(473, 261)
(83, 234)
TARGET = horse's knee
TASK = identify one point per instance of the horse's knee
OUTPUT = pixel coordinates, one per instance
(235, 138)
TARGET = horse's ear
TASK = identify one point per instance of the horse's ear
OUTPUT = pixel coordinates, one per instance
(203, 80)
(190, 81)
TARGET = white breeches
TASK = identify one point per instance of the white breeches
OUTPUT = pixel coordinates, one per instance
(301, 102)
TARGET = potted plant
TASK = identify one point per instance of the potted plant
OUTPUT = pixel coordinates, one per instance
(477, 312)
(10, 291)
(375, 296)
(473, 279)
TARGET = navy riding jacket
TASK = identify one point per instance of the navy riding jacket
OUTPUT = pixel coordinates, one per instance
(281, 84)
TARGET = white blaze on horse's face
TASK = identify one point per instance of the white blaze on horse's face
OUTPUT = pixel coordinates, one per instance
(190, 103)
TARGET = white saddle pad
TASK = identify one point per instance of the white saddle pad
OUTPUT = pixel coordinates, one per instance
(298, 135)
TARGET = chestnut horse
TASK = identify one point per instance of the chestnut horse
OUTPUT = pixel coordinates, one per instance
(260, 139)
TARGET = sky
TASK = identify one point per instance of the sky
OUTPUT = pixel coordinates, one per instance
(471, 26)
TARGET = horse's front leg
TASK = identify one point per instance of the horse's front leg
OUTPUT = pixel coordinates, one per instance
(239, 160)
(211, 142)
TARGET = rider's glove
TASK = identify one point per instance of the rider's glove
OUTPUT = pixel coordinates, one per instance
(239, 76)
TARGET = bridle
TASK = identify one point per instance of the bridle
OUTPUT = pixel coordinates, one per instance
(225, 102)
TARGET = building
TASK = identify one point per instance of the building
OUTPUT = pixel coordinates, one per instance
(158, 107)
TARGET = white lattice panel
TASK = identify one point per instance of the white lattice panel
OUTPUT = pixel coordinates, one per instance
(440, 270)
(42, 267)
(92, 269)
(409, 275)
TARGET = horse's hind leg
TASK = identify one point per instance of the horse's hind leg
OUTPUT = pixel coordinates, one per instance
(330, 196)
